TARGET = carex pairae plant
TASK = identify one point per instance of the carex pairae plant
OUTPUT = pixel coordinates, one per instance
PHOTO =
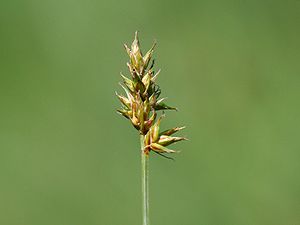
(140, 105)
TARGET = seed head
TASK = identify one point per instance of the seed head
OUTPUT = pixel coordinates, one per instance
(141, 102)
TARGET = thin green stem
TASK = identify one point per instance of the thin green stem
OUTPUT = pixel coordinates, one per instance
(145, 183)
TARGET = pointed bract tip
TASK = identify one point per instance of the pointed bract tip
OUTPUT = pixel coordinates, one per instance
(127, 49)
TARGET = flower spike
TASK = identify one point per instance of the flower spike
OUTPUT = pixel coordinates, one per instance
(142, 102)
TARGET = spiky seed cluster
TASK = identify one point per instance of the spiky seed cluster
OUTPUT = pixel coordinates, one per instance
(142, 101)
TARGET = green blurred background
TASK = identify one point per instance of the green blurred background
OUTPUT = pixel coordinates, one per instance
(231, 67)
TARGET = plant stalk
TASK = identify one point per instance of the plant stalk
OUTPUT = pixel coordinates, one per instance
(145, 183)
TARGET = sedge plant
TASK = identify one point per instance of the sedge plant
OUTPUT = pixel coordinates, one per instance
(140, 105)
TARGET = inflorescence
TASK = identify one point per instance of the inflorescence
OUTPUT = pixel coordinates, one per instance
(141, 103)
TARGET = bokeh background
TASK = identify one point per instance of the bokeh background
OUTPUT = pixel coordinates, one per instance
(232, 69)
